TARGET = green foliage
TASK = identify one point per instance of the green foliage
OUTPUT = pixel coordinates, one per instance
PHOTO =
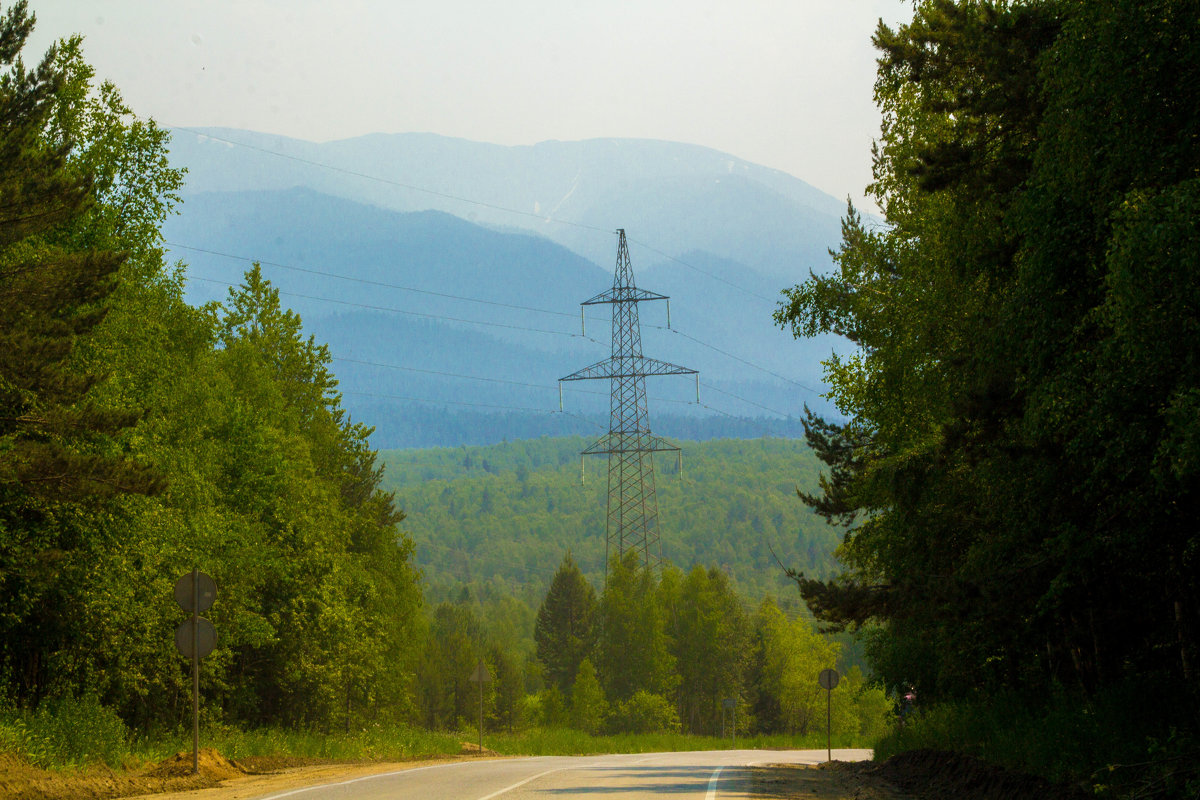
(589, 707)
(790, 654)
(734, 503)
(1018, 475)
(566, 741)
(66, 732)
(552, 708)
(215, 440)
(453, 648)
(644, 712)
(710, 635)
(60, 456)
(633, 653)
(508, 691)
(1060, 739)
(376, 741)
(566, 624)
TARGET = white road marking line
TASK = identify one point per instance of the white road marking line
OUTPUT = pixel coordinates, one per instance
(364, 778)
(712, 785)
(521, 783)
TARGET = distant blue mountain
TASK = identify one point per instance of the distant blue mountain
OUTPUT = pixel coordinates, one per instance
(672, 197)
(391, 291)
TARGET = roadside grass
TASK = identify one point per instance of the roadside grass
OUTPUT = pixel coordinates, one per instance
(75, 733)
(79, 732)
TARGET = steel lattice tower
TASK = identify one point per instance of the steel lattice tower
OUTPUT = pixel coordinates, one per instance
(632, 503)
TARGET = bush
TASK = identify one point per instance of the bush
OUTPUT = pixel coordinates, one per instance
(66, 732)
(644, 713)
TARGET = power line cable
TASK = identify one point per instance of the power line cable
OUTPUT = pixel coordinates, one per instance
(367, 281)
(412, 313)
(547, 387)
(466, 298)
(458, 198)
(744, 400)
(451, 402)
(739, 359)
(701, 271)
(401, 184)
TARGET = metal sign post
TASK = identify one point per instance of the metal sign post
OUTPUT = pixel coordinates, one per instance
(828, 679)
(195, 638)
(730, 704)
(481, 676)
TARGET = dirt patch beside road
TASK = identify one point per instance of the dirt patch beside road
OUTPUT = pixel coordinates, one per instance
(172, 779)
(936, 775)
(839, 780)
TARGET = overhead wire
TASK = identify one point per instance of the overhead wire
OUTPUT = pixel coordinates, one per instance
(546, 387)
(388, 181)
(365, 281)
(465, 298)
(480, 378)
(406, 312)
(470, 201)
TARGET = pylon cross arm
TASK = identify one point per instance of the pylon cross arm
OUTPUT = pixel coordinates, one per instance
(623, 294)
(627, 367)
(618, 443)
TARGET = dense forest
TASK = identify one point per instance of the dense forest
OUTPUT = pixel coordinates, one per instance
(504, 515)
(1019, 478)
(437, 425)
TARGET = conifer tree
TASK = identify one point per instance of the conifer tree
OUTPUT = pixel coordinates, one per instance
(52, 439)
(565, 628)
(56, 442)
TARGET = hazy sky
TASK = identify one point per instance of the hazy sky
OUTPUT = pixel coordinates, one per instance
(784, 83)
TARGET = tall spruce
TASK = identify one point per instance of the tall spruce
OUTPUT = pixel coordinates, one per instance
(52, 438)
(565, 630)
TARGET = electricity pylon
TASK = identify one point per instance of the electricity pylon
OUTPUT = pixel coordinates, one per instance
(629, 445)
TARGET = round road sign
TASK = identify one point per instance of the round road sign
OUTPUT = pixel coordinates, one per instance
(828, 679)
(206, 637)
(206, 592)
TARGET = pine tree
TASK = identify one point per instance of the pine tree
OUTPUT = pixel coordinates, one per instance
(565, 628)
(52, 439)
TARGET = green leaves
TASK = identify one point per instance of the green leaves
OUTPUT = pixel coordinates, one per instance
(565, 630)
(1021, 438)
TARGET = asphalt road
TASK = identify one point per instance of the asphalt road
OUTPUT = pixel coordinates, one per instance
(706, 775)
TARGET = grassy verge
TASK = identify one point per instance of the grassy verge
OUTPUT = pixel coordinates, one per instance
(79, 732)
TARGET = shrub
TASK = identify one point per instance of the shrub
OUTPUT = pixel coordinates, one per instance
(644, 713)
(67, 732)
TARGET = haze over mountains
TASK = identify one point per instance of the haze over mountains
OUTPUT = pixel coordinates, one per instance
(456, 258)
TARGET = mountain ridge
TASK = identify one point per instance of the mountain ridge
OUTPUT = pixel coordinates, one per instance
(428, 306)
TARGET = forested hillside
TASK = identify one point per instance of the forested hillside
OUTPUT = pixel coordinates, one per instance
(503, 516)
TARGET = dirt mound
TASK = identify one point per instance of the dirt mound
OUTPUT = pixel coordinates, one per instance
(209, 763)
(936, 775)
(472, 749)
(20, 780)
